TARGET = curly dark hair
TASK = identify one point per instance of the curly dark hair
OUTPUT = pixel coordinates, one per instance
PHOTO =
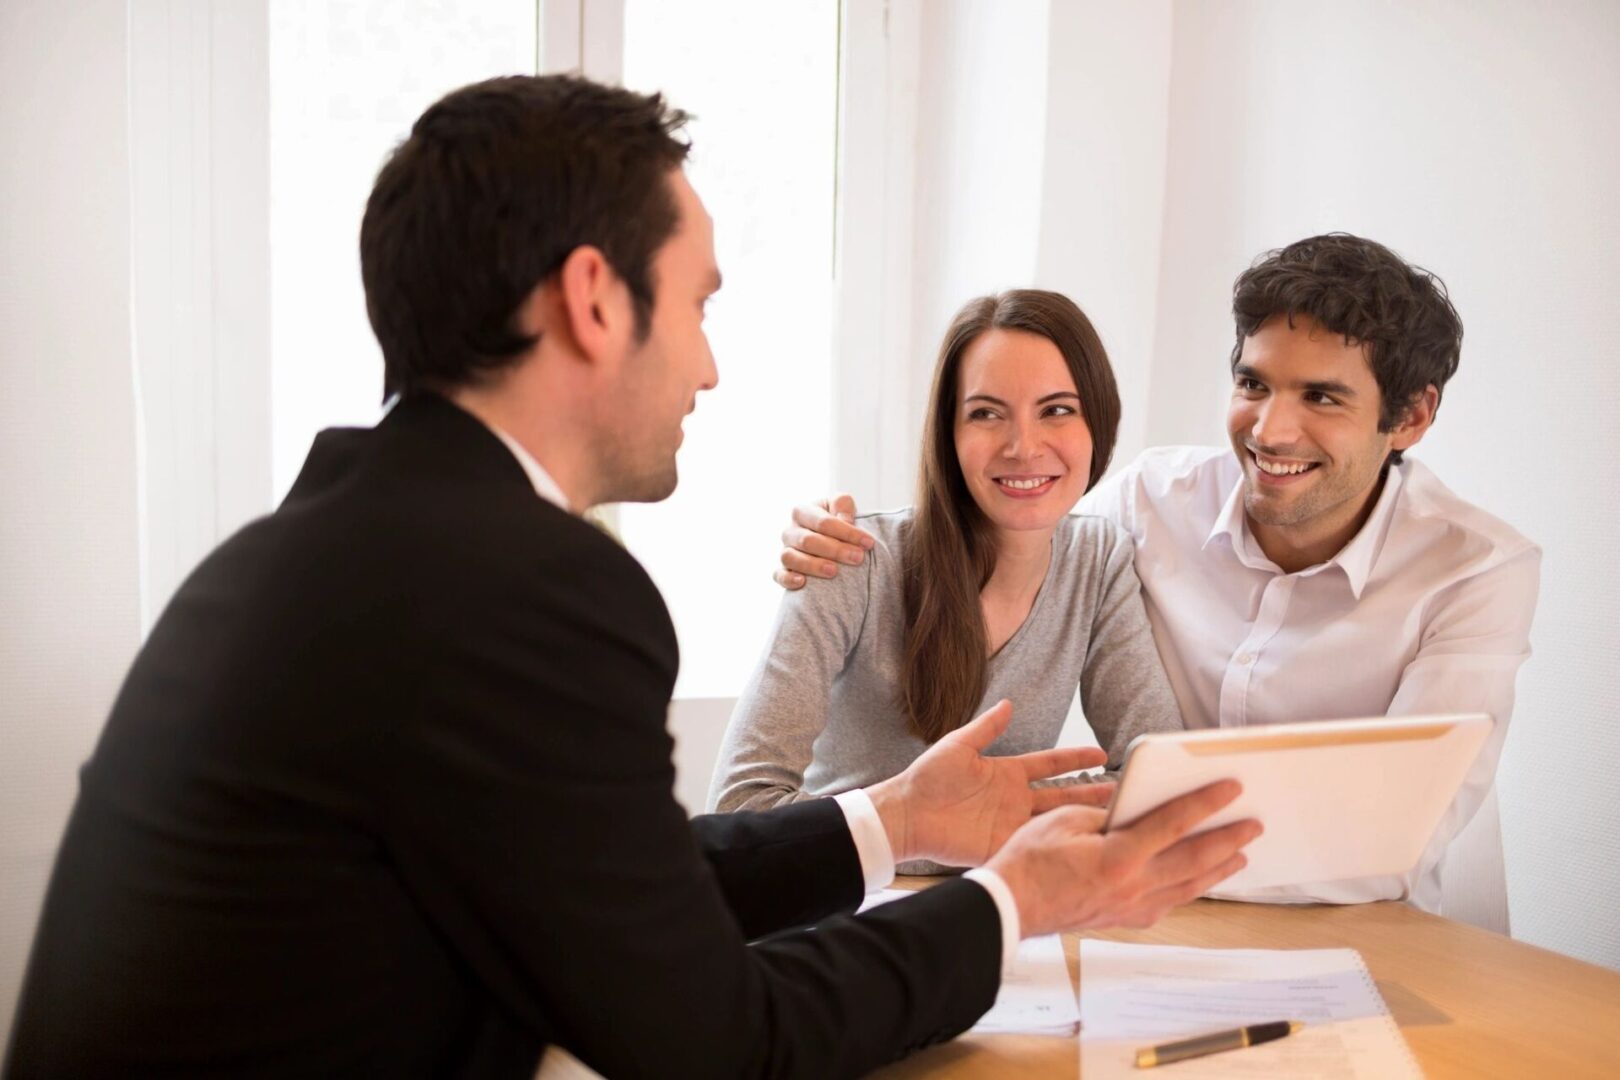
(498, 182)
(1363, 290)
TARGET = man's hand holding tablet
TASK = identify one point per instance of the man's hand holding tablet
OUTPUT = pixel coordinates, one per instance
(957, 806)
(1067, 874)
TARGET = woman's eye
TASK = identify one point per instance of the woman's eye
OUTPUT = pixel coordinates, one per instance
(1060, 410)
(981, 414)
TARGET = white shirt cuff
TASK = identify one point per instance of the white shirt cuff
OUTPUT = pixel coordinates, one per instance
(1006, 906)
(871, 839)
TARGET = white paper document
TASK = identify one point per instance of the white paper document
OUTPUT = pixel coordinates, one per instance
(1036, 996)
(1133, 996)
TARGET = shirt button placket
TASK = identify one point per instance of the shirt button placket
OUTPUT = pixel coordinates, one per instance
(1240, 669)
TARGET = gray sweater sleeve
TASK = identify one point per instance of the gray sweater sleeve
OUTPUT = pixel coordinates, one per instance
(1123, 687)
(821, 712)
(770, 740)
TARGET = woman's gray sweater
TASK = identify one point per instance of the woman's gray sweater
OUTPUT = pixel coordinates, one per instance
(822, 713)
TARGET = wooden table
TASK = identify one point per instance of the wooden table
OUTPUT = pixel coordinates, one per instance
(1469, 1002)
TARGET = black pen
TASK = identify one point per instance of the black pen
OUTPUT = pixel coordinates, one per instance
(1236, 1039)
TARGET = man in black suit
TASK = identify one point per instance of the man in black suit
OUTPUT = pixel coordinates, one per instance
(388, 792)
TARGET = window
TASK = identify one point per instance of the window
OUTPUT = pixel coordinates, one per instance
(762, 83)
(347, 78)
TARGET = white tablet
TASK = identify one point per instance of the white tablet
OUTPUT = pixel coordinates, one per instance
(1338, 798)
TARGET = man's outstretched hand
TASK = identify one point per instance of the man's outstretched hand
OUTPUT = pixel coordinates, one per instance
(822, 536)
(956, 806)
(1067, 874)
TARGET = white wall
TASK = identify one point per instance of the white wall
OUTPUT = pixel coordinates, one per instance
(763, 134)
(1102, 205)
(1480, 141)
(1035, 138)
(199, 273)
(940, 201)
(980, 146)
(349, 77)
(874, 363)
(69, 558)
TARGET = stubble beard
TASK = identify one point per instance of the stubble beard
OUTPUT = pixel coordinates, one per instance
(1277, 512)
(632, 472)
(1329, 491)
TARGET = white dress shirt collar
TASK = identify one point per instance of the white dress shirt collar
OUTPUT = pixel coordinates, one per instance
(544, 485)
(1356, 558)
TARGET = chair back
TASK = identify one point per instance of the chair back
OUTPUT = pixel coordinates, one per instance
(1473, 876)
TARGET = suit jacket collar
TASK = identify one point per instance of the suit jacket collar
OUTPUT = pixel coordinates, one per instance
(425, 434)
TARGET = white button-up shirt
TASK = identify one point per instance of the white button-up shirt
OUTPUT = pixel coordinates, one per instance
(1426, 610)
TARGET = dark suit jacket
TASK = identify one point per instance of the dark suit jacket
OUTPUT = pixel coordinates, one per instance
(388, 793)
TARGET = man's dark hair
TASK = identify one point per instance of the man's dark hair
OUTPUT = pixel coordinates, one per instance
(1366, 292)
(497, 184)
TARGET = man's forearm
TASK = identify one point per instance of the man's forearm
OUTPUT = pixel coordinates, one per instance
(790, 866)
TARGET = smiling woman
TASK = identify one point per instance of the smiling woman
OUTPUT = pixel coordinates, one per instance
(991, 589)
(1022, 392)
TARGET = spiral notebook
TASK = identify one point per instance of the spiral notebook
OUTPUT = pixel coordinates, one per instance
(1133, 996)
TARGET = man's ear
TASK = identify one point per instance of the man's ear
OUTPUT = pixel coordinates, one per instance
(1415, 423)
(595, 303)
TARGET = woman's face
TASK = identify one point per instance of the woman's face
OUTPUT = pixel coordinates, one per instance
(1024, 448)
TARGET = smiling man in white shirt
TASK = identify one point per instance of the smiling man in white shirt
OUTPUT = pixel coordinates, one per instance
(1311, 572)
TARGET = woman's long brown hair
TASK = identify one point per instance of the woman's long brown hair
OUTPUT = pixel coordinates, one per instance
(948, 551)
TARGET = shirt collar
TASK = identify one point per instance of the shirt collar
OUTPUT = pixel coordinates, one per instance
(1355, 558)
(1229, 522)
(544, 485)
